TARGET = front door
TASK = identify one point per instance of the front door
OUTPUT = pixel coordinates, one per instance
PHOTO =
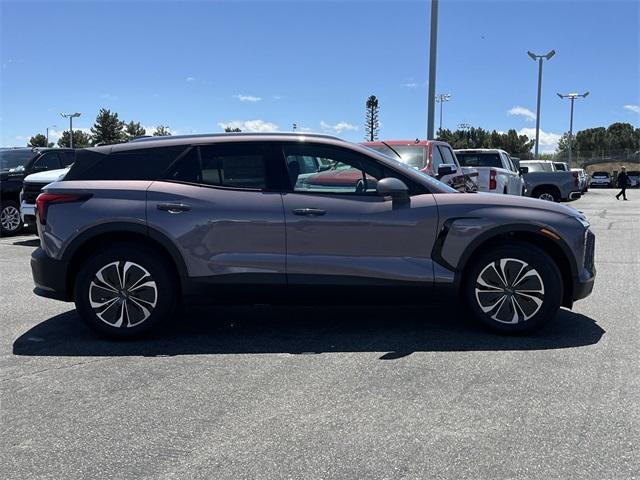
(339, 230)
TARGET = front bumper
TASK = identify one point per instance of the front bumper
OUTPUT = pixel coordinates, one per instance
(28, 213)
(583, 286)
(49, 275)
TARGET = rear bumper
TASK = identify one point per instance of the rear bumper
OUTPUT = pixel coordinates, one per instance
(49, 275)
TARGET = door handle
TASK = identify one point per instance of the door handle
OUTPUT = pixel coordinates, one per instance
(309, 212)
(173, 207)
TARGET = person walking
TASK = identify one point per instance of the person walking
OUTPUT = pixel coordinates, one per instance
(623, 181)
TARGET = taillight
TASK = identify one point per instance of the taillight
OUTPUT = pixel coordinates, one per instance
(576, 180)
(45, 199)
(492, 180)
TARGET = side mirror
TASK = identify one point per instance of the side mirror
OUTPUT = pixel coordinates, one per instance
(523, 170)
(447, 169)
(394, 188)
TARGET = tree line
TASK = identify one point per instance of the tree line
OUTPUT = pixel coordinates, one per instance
(107, 130)
(617, 141)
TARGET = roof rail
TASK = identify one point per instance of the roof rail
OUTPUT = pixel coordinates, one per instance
(147, 138)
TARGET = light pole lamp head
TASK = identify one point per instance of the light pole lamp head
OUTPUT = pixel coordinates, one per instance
(560, 95)
(584, 95)
(533, 56)
(550, 54)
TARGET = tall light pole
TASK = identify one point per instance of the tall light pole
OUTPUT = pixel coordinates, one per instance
(52, 126)
(539, 58)
(433, 50)
(572, 97)
(70, 116)
(441, 98)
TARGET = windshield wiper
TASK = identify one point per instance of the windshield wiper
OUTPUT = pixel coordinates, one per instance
(391, 148)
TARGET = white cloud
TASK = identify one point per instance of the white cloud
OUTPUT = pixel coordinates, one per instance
(149, 129)
(250, 125)
(548, 140)
(522, 112)
(632, 108)
(108, 96)
(191, 79)
(338, 127)
(409, 84)
(247, 98)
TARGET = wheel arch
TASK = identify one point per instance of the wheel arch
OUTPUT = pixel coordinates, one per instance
(532, 234)
(546, 188)
(120, 232)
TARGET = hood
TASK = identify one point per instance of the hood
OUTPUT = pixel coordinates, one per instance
(48, 176)
(500, 200)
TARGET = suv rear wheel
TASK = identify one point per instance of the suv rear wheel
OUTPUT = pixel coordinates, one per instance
(125, 291)
(10, 221)
(514, 289)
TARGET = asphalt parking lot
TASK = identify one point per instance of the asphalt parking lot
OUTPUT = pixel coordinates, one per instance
(329, 392)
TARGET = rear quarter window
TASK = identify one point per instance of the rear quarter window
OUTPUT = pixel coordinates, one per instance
(135, 164)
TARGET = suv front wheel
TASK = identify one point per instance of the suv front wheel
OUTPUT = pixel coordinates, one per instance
(514, 289)
(125, 291)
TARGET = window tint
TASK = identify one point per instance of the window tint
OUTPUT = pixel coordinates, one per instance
(67, 157)
(48, 161)
(447, 155)
(436, 159)
(224, 165)
(468, 159)
(339, 171)
(134, 164)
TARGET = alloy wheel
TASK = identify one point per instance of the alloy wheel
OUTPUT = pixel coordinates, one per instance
(509, 291)
(547, 196)
(123, 294)
(10, 218)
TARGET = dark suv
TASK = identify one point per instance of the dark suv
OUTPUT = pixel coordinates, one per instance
(15, 165)
(134, 228)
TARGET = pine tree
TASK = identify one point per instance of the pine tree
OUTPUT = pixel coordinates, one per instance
(39, 140)
(108, 129)
(133, 130)
(80, 139)
(162, 131)
(372, 123)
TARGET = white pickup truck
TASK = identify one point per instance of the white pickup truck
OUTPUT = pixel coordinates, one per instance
(496, 172)
(31, 188)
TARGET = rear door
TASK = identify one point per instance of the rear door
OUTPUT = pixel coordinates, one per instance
(340, 231)
(221, 205)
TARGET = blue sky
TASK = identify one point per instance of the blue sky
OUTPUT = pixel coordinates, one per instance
(196, 66)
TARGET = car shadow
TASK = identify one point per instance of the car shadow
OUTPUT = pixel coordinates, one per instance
(393, 331)
(35, 242)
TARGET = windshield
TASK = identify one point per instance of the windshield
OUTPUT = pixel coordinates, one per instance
(601, 174)
(15, 160)
(413, 156)
(411, 171)
(469, 159)
(537, 166)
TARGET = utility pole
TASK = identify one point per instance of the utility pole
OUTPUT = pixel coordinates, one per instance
(70, 116)
(539, 59)
(572, 97)
(433, 49)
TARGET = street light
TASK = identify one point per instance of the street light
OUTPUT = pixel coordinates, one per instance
(433, 50)
(539, 59)
(441, 98)
(70, 116)
(572, 97)
(52, 126)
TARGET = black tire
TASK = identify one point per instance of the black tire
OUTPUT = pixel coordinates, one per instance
(511, 312)
(9, 224)
(149, 301)
(548, 194)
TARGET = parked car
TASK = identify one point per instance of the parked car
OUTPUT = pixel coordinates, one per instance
(15, 164)
(634, 178)
(134, 228)
(432, 157)
(601, 179)
(583, 179)
(496, 171)
(546, 183)
(31, 188)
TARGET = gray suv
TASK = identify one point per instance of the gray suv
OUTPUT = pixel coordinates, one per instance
(136, 228)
